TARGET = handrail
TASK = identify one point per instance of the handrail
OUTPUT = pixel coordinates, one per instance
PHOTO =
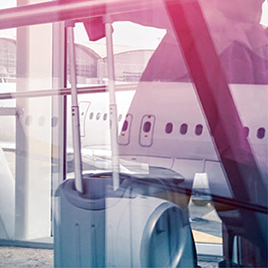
(55, 11)
(62, 92)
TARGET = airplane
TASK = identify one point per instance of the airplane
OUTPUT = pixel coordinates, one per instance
(154, 139)
(150, 135)
(176, 138)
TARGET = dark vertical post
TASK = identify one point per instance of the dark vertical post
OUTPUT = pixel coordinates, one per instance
(222, 116)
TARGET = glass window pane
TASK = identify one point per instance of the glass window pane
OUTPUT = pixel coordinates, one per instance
(201, 65)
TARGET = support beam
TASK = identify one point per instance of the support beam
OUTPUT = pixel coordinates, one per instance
(33, 133)
(222, 116)
(54, 11)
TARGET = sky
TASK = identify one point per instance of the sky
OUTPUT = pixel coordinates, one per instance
(264, 19)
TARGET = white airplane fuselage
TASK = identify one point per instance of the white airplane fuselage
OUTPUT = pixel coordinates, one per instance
(162, 125)
(165, 127)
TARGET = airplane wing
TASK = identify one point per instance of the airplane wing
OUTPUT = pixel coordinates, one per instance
(101, 160)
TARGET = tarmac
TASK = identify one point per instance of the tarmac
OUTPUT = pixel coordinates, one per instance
(25, 257)
(205, 225)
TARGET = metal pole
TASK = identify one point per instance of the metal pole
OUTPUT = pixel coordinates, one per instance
(112, 105)
(75, 111)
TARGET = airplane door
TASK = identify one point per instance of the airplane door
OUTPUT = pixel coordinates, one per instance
(83, 109)
(124, 137)
(146, 130)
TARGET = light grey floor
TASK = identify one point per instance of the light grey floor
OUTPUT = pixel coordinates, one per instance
(29, 257)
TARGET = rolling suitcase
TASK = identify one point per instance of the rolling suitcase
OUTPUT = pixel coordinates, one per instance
(99, 223)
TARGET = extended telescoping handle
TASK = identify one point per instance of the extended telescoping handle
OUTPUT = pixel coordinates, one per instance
(75, 111)
(112, 105)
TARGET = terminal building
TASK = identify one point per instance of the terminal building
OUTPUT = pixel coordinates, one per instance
(91, 60)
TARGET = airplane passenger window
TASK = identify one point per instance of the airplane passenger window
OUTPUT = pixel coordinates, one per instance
(91, 115)
(198, 130)
(169, 128)
(120, 118)
(54, 121)
(125, 126)
(261, 133)
(28, 120)
(246, 131)
(98, 116)
(105, 116)
(147, 126)
(183, 129)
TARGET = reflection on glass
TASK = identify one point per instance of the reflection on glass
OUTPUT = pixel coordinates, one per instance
(164, 89)
(207, 181)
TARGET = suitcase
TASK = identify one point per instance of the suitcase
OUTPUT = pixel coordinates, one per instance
(98, 223)
(122, 228)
